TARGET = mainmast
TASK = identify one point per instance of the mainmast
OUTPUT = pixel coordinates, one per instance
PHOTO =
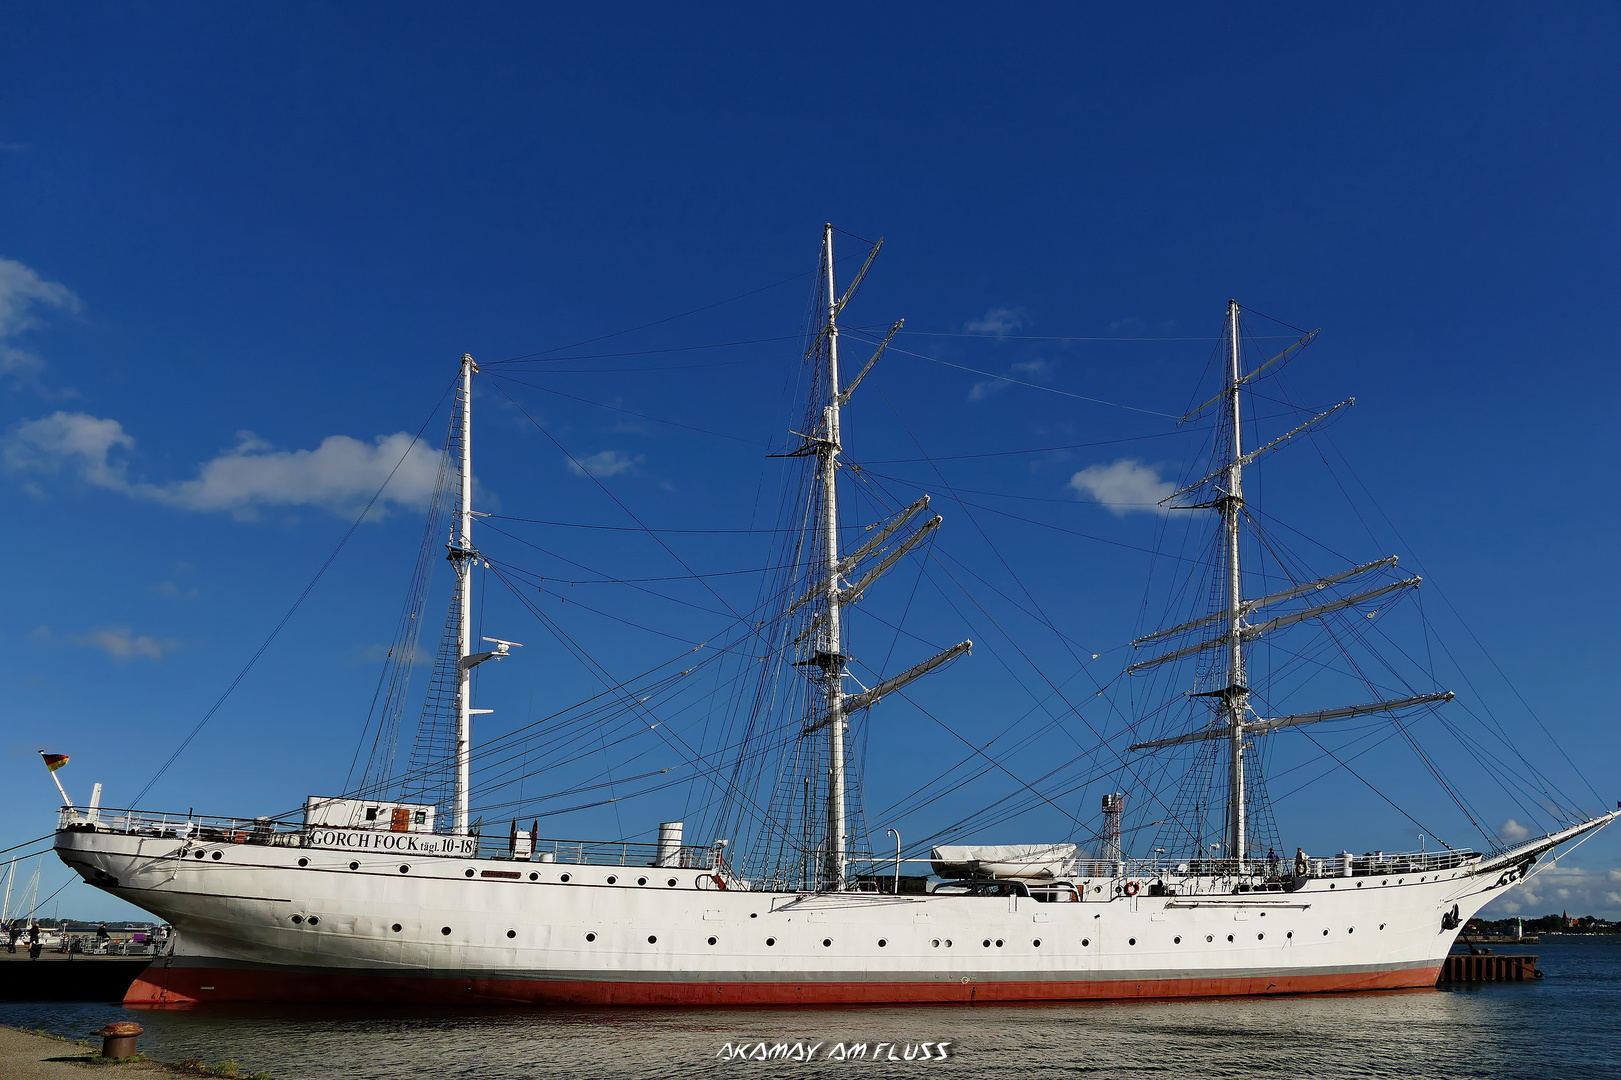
(832, 655)
(1236, 693)
(462, 558)
(828, 597)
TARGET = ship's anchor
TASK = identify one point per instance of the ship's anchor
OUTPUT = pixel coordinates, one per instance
(1451, 920)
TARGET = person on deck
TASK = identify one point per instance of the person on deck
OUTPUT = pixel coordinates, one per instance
(1301, 865)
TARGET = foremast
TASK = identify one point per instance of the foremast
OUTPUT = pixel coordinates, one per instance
(831, 595)
(1223, 490)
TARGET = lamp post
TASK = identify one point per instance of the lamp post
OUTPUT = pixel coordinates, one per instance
(896, 834)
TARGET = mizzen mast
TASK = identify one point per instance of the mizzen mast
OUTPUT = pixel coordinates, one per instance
(462, 557)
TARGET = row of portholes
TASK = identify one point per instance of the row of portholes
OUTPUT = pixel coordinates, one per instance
(199, 853)
(1386, 881)
(405, 868)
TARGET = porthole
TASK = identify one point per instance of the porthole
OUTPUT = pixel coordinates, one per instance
(827, 943)
(652, 939)
(1210, 937)
(712, 941)
(1260, 937)
(565, 878)
(1352, 930)
(1385, 882)
(314, 919)
(297, 919)
(445, 930)
(396, 928)
(1036, 944)
(934, 944)
(1229, 937)
(217, 855)
(671, 883)
(1131, 941)
(1359, 884)
(987, 943)
(468, 871)
(641, 881)
(1325, 933)
(512, 933)
(404, 869)
(1381, 926)
(1176, 941)
(354, 866)
(303, 862)
(754, 914)
(1400, 880)
(948, 943)
(1290, 935)
(534, 877)
(1085, 942)
(770, 941)
(882, 942)
(1331, 885)
(998, 943)
(590, 937)
(613, 879)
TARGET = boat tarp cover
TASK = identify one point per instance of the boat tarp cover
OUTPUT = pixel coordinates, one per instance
(1004, 860)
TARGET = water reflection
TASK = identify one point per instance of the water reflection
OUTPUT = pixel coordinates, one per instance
(1565, 1024)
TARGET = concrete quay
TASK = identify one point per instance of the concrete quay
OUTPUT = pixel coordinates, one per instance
(54, 977)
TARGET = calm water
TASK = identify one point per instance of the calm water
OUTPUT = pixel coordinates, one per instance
(1568, 1025)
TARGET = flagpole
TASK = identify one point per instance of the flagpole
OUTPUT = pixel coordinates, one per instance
(57, 780)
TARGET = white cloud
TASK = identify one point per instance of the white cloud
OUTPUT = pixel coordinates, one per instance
(123, 645)
(75, 441)
(22, 291)
(984, 388)
(1513, 832)
(338, 475)
(1124, 486)
(1038, 370)
(1558, 889)
(604, 463)
(999, 322)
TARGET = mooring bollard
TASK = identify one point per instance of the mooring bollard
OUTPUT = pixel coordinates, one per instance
(118, 1039)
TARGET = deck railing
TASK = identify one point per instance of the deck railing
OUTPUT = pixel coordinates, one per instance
(282, 833)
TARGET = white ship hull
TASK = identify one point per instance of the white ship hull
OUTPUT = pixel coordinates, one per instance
(252, 924)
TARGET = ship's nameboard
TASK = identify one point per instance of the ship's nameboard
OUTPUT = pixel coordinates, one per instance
(399, 843)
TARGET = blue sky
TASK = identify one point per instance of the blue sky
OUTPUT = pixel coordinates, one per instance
(244, 248)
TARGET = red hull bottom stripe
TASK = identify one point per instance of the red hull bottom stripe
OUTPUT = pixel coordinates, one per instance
(170, 986)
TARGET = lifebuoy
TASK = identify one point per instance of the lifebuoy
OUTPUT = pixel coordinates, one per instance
(1131, 888)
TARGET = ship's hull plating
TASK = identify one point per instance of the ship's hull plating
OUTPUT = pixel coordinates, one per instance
(253, 925)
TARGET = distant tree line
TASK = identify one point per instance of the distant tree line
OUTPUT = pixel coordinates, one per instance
(1563, 923)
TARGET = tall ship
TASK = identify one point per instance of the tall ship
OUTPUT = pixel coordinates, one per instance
(395, 891)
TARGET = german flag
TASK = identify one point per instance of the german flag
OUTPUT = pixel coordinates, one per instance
(54, 761)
